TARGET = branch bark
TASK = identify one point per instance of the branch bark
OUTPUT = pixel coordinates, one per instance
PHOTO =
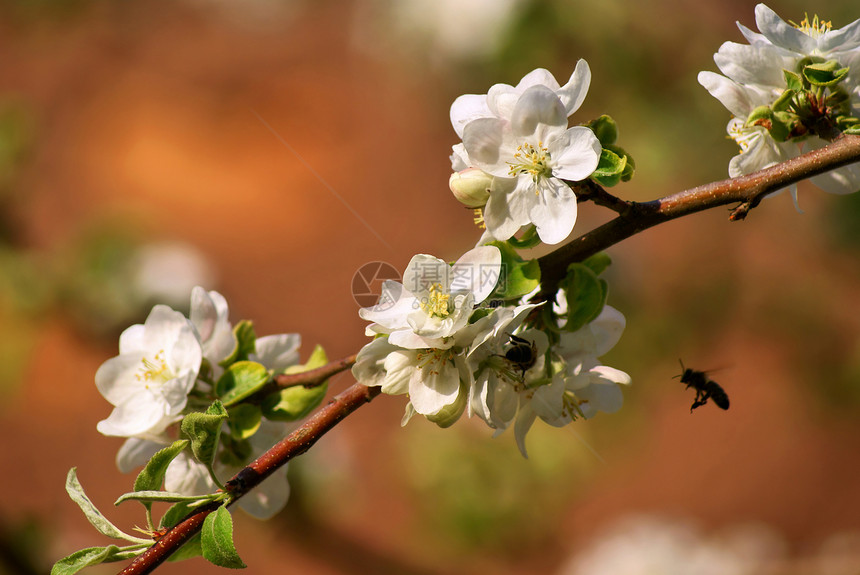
(746, 190)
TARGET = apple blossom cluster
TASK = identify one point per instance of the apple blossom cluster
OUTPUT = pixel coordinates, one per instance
(171, 370)
(791, 89)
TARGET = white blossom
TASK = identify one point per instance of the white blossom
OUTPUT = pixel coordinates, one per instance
(148, 382)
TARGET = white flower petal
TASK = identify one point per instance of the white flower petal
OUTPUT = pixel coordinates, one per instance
(477, 272)
(536, 111)
(136, 452)
(467, 108)
(278, 352)
(782, 34)
(575, 154)
(483, 139)
(553, 211)
(573, 93)
(433, 387)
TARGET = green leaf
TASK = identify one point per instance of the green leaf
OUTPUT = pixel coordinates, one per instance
(246, 343)
(598, 262)
(163, 496)
(759, 114)
(586, 295)
(518, 276)
(241, 380)
(89, 557)
(191, 549)
(609, 169)
(297, 402)
(152, 475)
(605, 129)
(244, 420)
(629, 167)
(93, 515)
(216, 539)
(204, 431)
(853, 129)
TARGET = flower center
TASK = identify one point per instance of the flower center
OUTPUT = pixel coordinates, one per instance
(154, 371)
(533, 161)
(742, 134)
(815, 28)
(437, 302)
(432, 359)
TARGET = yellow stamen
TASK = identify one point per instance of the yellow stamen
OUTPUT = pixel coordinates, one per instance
(533, 161)
(815, 28)
(437, 302)
(154, 370)
(479, 219)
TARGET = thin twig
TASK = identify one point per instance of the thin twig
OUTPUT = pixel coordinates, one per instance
(746, 190)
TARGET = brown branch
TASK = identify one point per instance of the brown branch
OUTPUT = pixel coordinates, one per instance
(291, 446)
(310, 378)
(746, 190)
(589, 190)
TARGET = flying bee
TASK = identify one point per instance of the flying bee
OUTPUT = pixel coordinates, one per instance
(705, 387)
(523, 353)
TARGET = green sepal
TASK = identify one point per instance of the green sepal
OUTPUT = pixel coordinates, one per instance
(605, 129)
(781, 125)
(163, 497)
(479, 314)
(517, 277)
(598, 262)
(241, 380)
(784, 101)
(298, 401)
(93, 515)
(246, 343)
(825, 74)
(449, 414)
(793, 81)
(609, 168)
(529, 239)
(585, 293)
(189, 550)
(758, 114)
(216, 539)
(204, 431)
(244, 420)
(95, 556)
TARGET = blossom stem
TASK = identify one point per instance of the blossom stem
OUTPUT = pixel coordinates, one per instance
(747, 191)
(291, 446)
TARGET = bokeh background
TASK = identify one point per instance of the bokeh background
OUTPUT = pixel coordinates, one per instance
(149, 147)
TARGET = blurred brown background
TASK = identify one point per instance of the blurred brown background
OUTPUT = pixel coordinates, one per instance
(224, 135)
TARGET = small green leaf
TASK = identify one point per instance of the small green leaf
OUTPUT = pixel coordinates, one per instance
(598, 262)
(216, 539)
(95, 556)
(204, 431)
(759, 114)
(855, 129)
(586, 295)
(93, 515)
(152, 475)
(174, 514)
(162, 496)
(82, 559)
(605, 129)
(241, 380)
(246, 343)
(609, 169)
(629, 166)
(518, 276)
(296, 402)
(244, 420)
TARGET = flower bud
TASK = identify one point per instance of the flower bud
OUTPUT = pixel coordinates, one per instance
(471, 187)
